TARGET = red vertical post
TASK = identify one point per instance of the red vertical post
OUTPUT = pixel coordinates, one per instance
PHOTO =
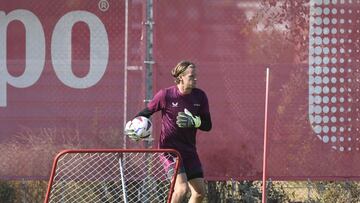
(265, 138)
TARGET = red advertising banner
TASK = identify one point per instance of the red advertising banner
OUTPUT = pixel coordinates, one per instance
(311, 48)
(61, 73)
(71, 73)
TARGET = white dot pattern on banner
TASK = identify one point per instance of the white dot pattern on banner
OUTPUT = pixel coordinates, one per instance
(333, 87)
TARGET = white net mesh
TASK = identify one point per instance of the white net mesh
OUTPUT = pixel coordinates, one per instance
(88, 176)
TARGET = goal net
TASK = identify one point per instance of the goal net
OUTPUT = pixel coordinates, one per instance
(128, 176)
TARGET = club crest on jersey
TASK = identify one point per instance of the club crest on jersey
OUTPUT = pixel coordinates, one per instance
(174, 104)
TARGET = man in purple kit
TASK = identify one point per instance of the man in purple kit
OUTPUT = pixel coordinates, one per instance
(184, 109)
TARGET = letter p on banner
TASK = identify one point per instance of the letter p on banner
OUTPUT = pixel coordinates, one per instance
(35, 51)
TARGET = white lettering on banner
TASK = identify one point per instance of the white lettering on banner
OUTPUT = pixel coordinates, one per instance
(60, 50)
(35, 51)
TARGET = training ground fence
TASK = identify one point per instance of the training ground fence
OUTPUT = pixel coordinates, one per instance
(122, 52)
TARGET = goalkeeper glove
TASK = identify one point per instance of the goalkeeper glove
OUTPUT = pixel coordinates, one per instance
(187, 120)
(130, 132)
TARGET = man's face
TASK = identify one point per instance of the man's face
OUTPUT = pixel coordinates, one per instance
(188, 78)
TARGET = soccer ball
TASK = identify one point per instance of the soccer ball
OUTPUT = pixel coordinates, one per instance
(141, 126)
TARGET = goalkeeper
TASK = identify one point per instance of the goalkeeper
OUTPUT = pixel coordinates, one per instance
(184, 109)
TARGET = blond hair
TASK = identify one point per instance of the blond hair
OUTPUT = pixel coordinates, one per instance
(181, 68)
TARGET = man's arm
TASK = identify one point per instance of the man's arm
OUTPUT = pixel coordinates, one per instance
(206, 124)
(145, 112)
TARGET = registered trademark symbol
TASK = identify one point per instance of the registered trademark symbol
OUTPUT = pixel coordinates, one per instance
(103, 5)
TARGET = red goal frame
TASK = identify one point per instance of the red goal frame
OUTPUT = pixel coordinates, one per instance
(128, 151)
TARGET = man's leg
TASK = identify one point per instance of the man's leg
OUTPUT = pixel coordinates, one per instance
(197, 188)
(180, 190)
